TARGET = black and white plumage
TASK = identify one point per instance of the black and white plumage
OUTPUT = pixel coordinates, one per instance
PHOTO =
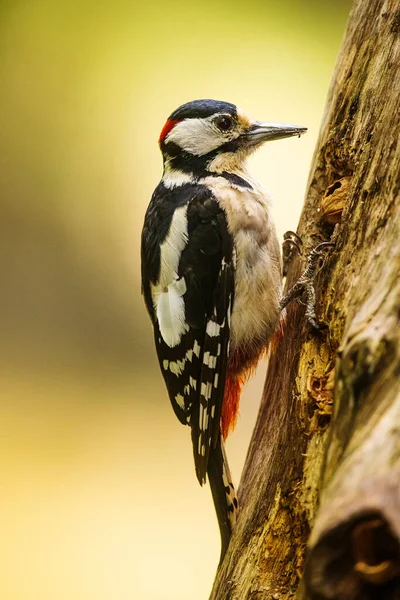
(188, 286)
(211, 275)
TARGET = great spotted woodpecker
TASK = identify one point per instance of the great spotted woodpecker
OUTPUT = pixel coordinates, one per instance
(211, 277)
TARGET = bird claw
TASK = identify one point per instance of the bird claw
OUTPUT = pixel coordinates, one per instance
(291, 242)
(305, 284)
(290, 237)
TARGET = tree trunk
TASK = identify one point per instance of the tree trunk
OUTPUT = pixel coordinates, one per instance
(325, 453)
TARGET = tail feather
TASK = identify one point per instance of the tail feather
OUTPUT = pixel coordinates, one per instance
(223, 492)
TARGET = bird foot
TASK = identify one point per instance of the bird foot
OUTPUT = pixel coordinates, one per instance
(291, 243)
(305, 284)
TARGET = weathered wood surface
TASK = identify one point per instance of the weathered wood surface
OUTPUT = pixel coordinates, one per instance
(308, 470)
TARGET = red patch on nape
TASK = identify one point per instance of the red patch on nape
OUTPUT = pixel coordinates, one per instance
(169, 125)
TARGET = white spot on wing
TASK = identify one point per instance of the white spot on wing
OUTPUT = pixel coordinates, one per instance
(212, 328)
(209, 360)
(205, 390)
(180, 401)
(205, 421)
(177, 367)
(201, 417)
(196, 348)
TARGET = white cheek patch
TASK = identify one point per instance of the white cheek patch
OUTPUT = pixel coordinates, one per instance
(198, 136)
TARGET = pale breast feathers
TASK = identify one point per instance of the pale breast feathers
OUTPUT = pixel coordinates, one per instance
(258, 268)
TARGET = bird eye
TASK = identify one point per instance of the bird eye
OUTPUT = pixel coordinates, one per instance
(224, 123)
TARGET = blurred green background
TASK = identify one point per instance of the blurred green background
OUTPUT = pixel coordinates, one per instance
(98, 494)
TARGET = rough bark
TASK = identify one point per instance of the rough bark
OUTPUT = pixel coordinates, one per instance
(325, 454)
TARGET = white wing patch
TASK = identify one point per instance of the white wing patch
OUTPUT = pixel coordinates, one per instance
(167, 293)
(170, 310)
(172, 247)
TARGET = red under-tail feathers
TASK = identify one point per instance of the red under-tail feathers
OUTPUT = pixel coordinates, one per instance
(230, 406)
(241, 367)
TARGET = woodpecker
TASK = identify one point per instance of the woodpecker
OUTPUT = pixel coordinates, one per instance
(211, 277)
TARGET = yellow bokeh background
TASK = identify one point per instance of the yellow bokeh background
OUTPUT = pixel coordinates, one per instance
(98, 494)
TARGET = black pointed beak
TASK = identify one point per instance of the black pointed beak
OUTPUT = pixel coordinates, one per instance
(267, 132)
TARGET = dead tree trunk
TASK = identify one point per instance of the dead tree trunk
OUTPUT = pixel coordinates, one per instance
(336, 473)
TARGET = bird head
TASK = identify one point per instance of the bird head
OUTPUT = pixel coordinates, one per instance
(215, 136)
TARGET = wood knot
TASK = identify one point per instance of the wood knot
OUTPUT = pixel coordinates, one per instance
(334, 200)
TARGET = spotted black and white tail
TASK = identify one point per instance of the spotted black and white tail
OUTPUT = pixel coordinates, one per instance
(223, 492)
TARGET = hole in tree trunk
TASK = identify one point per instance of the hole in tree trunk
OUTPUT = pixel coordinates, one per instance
(357, 560)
